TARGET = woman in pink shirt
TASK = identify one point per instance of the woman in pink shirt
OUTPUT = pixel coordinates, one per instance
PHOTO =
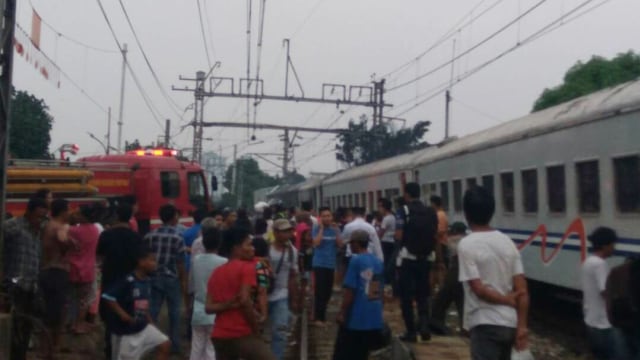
(83, 265)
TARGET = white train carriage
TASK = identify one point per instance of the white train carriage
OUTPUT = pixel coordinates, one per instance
(364, 185)
(556, 175)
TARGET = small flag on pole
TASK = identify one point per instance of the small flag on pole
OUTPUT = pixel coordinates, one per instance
(36, 27)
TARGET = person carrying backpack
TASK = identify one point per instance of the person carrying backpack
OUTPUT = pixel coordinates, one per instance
(416, 229)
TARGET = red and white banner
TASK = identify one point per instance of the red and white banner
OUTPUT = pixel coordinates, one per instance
(36, 29)
(26, 48)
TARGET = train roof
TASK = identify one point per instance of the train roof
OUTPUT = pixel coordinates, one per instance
(620, 99)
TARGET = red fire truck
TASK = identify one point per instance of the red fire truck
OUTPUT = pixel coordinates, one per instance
(155, 177)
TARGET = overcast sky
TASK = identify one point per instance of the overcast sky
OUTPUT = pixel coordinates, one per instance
(332, 41)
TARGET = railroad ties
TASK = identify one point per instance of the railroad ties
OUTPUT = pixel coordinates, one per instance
(320, 341)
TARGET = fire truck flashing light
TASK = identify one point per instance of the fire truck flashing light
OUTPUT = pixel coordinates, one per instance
(154, 152)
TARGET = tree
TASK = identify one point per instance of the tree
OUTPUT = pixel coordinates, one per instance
(249, 178)
(586, 78)
(29, 134)
(361, 145)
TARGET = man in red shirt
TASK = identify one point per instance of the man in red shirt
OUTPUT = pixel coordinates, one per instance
(236, 328)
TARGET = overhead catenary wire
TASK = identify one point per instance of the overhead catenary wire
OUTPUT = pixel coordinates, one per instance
(204, 37)
(304, 22)
(161, 87)
(559, 22)
(471, 49)
(71, 39)
(457, 27)
(84, 92)
(154, 112)
(258, 63)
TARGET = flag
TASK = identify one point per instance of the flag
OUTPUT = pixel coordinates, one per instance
(26, 48)
(36, 27)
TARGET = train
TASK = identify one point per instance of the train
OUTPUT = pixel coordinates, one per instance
(556, 175)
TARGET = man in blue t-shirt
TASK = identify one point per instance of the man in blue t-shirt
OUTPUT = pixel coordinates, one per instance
(360, 316)
(128, 319)
(326, 240)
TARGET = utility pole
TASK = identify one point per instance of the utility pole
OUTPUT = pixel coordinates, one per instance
(109, 131)
(167, 133)
(234, 175)
(285, 154)
(124, 69)
(447, 111)
(8, 14)
(198, 117)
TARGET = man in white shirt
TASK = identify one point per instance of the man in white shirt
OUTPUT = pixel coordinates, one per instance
(496, 300)
(386, 232)
(605, 341)
(359, 223)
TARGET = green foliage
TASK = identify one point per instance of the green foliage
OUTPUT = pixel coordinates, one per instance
(29, 134)
(361, 145)
(586, 78)
(249, 179)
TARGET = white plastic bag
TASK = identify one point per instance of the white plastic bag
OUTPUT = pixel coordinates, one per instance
(521, 355)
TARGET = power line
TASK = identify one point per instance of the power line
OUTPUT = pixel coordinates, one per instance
(204, 38)
(306, 19)
(70, 39)
(447, 35)
(68, 77)
(547, 29)
(466, 52)
(148, 62)
(145, 96)
(208, 22)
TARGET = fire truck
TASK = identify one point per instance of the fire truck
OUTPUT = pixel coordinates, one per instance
(155, 177)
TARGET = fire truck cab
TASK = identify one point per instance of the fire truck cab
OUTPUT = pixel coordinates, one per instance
(155, 177)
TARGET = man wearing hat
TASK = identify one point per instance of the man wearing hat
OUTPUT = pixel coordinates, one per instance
(284, 263)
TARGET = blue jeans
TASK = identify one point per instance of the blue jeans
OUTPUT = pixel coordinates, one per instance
(607, 344)
(279, 317)
(167, 288)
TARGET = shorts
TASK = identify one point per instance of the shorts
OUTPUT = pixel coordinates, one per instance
(134, 346)
(54, 286)
(250, 347)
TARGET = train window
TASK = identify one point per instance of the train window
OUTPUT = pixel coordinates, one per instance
(371, 202)
(530, 190)
(444, 193)
(457, 195)
(433, 189)
(356, 201)
(627, 181)
(487, 183)
(471, 183)
(344, 201)
(379, 195)
(197, 194)
(170, 184)
(588, 175)
(556, 189)
(350, 203)
(508, 192)
(363, 200)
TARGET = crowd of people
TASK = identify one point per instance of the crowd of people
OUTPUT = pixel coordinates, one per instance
(241, 278)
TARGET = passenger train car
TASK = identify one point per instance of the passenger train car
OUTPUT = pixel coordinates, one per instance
(556, 175)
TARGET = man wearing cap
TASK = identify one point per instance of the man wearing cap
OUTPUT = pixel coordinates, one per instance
(284, 263)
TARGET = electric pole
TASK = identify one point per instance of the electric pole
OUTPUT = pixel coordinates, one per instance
(8, 8)
(198, 130)
(234, 175)
(285, 154)
(167, 133)
(124, 69)
(109, 131)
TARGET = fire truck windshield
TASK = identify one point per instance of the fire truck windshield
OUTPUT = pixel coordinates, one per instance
(197, 190)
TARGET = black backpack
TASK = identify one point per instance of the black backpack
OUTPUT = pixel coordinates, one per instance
(420, 229)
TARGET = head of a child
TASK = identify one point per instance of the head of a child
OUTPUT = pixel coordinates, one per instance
(146, 262)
